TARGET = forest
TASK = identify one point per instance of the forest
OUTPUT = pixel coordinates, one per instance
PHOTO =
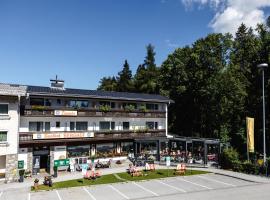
(215, 84)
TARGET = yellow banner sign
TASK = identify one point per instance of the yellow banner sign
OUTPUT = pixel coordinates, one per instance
(250, 134)
(65, 113)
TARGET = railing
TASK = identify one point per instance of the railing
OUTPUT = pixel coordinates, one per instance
(91, 112)
(27, 137)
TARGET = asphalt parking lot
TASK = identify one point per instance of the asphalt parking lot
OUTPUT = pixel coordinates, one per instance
(132, 190)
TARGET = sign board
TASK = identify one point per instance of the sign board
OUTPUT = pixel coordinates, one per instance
(65, 113)
(168, 161)
(56, 135)
(20, 164)
(60, 163)
(250, 134)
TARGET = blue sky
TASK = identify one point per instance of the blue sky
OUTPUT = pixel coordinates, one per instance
(84, 40)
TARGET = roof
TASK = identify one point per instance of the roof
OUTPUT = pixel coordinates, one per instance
(23, 90)
(12, 89)
(99, 94)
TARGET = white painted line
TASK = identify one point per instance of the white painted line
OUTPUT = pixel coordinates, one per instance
(171, 186)
(214, 180)
(1, 193)
(182, 179)
(145, 189)
(29, 196)
(59, 197)
(92, 197)
(116, 190)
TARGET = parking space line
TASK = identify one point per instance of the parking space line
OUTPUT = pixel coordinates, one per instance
(29, 196)
(116, 190)
(182, 179)
(214, 180)
(1, 193)
(171, 186)
(92, 197)
(145, 189)
(59, 197)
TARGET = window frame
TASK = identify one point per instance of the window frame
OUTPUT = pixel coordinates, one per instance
(4, 131)
(5, 114)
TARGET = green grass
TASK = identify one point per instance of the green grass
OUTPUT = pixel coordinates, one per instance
(160, 173)
(110, 178)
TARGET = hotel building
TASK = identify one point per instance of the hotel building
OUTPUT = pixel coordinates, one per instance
(41, 127)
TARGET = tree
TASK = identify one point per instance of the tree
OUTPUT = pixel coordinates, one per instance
(146, 77)
(124, 79)
(108, 84)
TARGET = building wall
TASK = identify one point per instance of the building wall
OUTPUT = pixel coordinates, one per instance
(10, 123)
(9, 149)
(93, 122)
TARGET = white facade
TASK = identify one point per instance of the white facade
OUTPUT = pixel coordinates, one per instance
(93, 122)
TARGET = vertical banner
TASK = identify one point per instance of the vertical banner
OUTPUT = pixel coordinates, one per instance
(250, 134)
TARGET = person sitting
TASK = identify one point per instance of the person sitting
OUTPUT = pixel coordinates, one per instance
(147, 167)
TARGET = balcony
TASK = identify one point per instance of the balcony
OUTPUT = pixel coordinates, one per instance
(44, 111)
(42, 137)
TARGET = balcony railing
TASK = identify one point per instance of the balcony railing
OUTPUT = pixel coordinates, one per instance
(91, 112)
(27, 137)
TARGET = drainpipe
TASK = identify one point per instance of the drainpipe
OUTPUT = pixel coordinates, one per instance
(166, 122)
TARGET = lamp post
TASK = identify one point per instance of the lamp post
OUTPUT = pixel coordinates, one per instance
(263, 66)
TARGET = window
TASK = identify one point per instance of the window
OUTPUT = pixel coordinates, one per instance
(48, 102)
(3, 136)
(36, 102)
(78, 151)
(106, 125)
(106, 150)
(58, 101)
(3, 109)
(47, 126)
(150, 106)
(156, 125)
(78, 103)
(57, 124)
(150, 125)
(72, 126)
(81, 126)
(107, 103)
(125, 125)
(35, 126)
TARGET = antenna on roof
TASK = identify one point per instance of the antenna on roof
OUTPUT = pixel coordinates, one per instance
(56, 83)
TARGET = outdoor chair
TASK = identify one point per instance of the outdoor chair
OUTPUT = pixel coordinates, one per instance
(180, 169)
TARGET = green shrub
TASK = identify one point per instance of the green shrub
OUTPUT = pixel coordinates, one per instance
(248, 167)
(105, 108)
(230, 157)
(130, 108)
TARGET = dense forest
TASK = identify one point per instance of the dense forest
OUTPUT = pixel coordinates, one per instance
(214, 82)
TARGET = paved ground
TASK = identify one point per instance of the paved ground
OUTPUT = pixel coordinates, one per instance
(207, 186)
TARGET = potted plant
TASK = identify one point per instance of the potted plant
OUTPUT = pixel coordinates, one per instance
(55, 170)
(21, 174)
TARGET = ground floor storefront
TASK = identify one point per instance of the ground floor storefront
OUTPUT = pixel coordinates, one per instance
(38, 157)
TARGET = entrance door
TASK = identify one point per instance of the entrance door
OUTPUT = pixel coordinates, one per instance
(42, 153)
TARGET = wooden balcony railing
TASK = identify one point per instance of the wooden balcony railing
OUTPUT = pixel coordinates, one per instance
(27, 137)
(90, 112)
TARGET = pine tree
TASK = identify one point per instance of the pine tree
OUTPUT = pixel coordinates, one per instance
(124, 79)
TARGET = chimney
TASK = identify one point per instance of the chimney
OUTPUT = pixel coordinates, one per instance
(56, 83)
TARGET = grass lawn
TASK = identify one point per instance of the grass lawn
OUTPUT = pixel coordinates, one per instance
(110, 178)
(160, 173)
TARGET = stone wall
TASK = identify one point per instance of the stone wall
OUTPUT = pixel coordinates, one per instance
(11, 168)
(51, 159)
(30, 159)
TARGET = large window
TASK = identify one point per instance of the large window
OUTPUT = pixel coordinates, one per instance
(150, 106)
(106, 150)
(78, 103)
(3, 136)
(125, 125)
(127, 148)
(81, 126)
(35, 126)
(151, 125)
(107, 103)
(72, 126)
(3, 109)
(36, 102)
(47, 126)
(106, 125)
(78, 151)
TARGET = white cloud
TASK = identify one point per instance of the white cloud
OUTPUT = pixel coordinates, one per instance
(171, 44)
(231, 13)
